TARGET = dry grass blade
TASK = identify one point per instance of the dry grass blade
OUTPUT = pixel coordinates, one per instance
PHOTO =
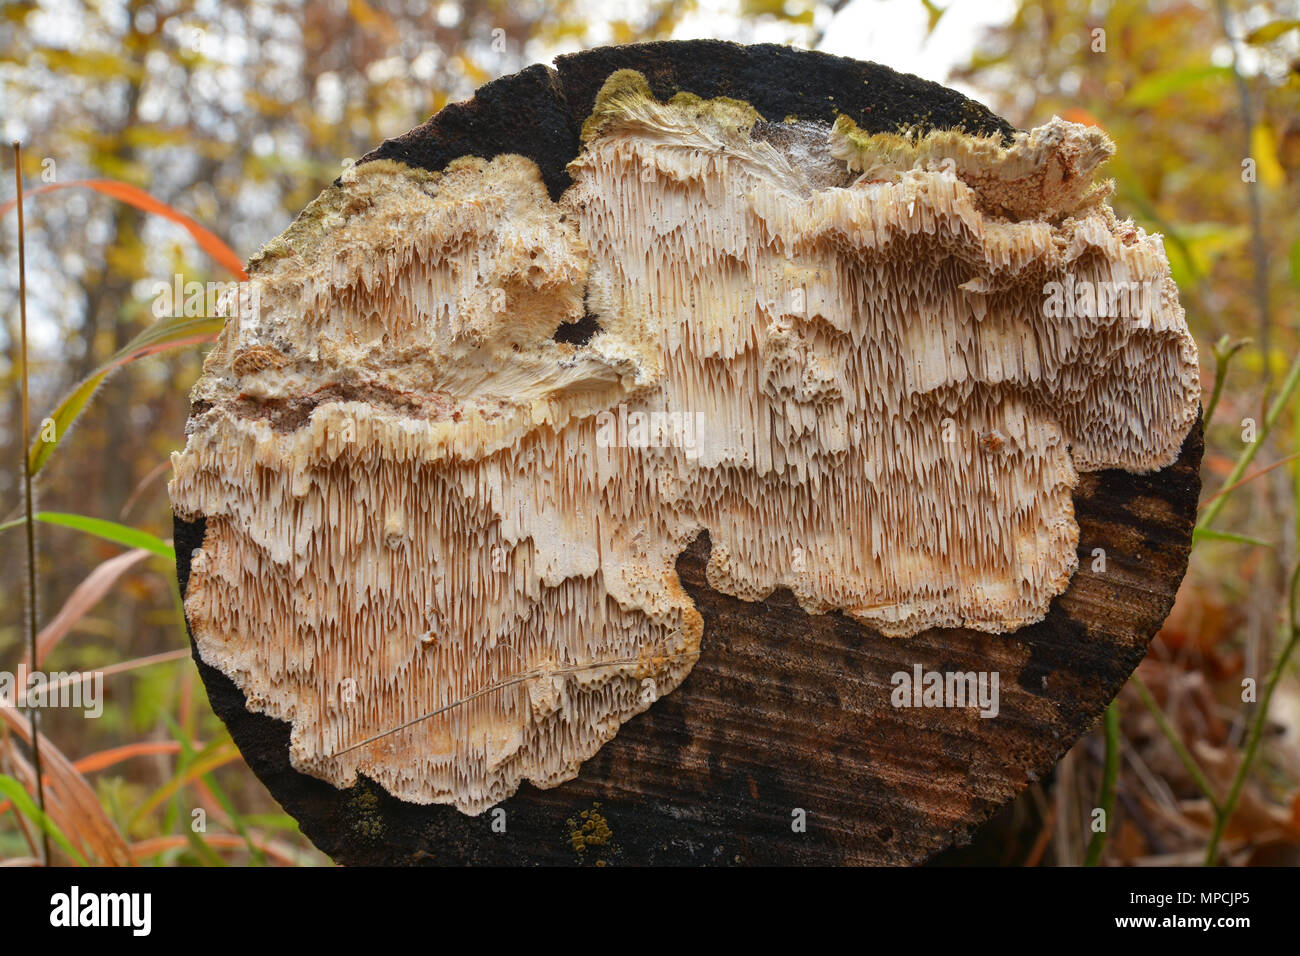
(86, 595)
(154, 473)
(80, 814)
(131, 665)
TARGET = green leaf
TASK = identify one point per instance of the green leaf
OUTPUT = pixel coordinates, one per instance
(1196, 246)
(780, 9)
(164, 335)
(1295, 263)
(1162, 85)
(1209, 534)
(108, 530)
(934, 13)
(271, 821)
(16, 792)
(1271, 31)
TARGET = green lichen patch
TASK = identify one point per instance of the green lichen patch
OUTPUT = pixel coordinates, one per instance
(625, 94)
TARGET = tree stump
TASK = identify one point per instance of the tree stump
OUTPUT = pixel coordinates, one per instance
(781, 745)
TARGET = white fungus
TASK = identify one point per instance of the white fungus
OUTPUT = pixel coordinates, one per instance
(871, 367)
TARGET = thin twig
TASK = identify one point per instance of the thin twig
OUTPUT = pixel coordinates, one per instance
(30, 521)
(500, 685)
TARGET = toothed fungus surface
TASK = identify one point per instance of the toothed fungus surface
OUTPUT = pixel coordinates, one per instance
(441, 543)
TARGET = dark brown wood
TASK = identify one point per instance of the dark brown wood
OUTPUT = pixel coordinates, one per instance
(784, 711)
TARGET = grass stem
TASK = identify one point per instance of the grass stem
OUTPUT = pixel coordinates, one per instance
(1109, 776)
(1256, 732)
(30, 512)
(1248, 453)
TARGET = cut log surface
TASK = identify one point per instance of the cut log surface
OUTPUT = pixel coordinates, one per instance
(782, 745)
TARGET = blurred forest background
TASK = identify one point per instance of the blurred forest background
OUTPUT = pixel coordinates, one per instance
(237, 113)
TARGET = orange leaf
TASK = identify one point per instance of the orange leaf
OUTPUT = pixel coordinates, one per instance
(115, 755)
(135, 196)
(1076, 115)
